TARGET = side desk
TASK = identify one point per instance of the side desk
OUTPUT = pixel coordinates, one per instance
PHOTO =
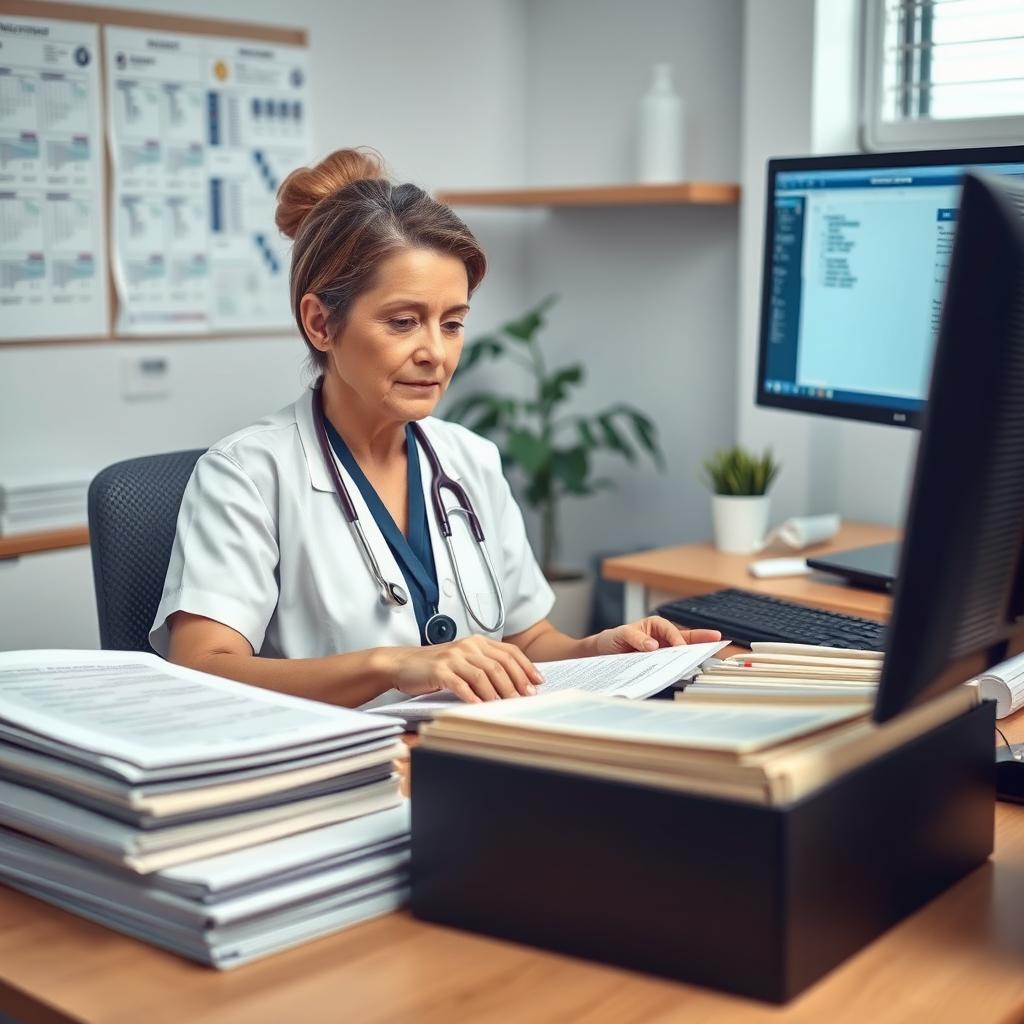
(652, 577)
(960, 958)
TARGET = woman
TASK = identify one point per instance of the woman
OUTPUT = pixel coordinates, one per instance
(270, 580)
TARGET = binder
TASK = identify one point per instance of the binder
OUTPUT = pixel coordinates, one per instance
(755, 900)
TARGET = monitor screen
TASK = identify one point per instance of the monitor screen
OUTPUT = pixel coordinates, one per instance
(856, 254)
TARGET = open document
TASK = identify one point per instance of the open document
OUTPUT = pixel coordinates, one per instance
(636, 676)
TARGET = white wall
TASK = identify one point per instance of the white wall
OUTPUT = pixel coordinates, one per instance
(800, 81)
(661, 304)
(438, 88)
(648, 294)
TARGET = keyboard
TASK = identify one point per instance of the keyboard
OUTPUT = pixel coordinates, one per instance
(744, 617)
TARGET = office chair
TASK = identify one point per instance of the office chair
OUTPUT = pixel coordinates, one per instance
(133, 511)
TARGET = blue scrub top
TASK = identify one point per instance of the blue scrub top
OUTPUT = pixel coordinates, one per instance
(414, 554)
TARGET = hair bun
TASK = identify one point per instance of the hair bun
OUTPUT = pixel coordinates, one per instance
(306, 186)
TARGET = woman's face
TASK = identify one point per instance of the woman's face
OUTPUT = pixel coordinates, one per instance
(403, 337)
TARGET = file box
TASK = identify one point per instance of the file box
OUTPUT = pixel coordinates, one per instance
(756, 900)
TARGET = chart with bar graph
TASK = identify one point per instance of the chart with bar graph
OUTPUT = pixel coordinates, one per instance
(212, 126)
(52, 210)
(151, 179)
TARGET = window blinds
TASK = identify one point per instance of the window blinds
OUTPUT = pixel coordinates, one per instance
(953, 68)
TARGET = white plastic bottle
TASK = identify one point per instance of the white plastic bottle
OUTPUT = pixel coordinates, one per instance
(660, 155)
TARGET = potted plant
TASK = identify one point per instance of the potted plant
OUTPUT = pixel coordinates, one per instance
(549, 448)
(739, 482)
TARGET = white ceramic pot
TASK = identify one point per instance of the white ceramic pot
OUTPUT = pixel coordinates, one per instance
(740, 522)
(573, 597)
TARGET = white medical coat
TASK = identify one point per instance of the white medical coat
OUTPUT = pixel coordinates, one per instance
(263, 546)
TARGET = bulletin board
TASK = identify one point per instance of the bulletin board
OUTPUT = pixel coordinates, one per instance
(140, 156)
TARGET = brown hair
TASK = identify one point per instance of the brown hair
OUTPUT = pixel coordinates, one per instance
(346, 216)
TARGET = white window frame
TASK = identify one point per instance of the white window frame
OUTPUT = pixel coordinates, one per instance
(877, 134)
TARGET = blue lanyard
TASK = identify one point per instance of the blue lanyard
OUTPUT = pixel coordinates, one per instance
(415, 555)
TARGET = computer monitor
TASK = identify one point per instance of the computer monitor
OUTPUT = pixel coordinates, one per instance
(959, 601)
(856, 254)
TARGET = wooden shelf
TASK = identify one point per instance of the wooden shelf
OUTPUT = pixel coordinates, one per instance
(714, 193)
(50, 540)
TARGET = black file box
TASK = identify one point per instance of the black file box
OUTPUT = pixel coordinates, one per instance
(760, 901)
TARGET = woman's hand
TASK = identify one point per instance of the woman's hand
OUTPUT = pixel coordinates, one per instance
(474, 668)
(649, 634)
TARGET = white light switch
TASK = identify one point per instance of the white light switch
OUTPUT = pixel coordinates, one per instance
(146, 376)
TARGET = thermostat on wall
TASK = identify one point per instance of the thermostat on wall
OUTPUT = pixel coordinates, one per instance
(145, 376)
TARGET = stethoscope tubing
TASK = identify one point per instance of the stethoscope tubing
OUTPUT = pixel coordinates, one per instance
(393, 593)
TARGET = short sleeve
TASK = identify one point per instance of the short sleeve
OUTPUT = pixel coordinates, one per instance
(525, 591)
(225, 553)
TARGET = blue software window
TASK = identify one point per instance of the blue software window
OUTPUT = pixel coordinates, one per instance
(855, 270)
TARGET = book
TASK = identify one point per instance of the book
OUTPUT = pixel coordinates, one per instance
(764, 753)
(634, 676)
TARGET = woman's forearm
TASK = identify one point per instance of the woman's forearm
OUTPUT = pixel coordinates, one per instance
(550, 644)
(345, 679)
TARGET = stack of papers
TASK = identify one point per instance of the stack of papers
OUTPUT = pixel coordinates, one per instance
(759, 753)
(218, 820)
(636, 676)
(30, 505)
(778, 672)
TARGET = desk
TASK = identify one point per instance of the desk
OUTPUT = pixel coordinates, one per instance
(652, 577)
(960, 958)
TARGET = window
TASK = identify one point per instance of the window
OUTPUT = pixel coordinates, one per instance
(942, 73)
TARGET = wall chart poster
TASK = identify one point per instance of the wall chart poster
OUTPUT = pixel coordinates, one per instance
(202, 131)
(53, 280)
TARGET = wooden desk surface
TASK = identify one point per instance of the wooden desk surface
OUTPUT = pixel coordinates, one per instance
(959, 959)
(697, 568)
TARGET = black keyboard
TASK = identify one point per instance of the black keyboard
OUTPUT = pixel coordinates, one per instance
(744, 617)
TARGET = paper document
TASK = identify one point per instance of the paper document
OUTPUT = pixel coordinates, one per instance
(40, 865)
(635, 676)
(283, 858)
(226, 933)
(733, 728)
(758, 691)
(94, 835)
(1004, 683)
(202, 132)
(138, 711)
(53, 272)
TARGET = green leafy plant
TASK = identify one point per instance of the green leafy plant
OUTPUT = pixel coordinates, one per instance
(737, 472)
(553, 452)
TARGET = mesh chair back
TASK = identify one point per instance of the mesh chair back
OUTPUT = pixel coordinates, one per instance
(133, 511)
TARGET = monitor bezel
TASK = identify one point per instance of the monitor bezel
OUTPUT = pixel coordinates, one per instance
(979, 156)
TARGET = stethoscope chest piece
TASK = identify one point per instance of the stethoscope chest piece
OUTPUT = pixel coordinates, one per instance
(440, 629)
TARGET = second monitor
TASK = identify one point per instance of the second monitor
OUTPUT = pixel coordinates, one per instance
(856, 254)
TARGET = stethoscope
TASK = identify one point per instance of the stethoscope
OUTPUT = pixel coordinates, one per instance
(439, 628)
